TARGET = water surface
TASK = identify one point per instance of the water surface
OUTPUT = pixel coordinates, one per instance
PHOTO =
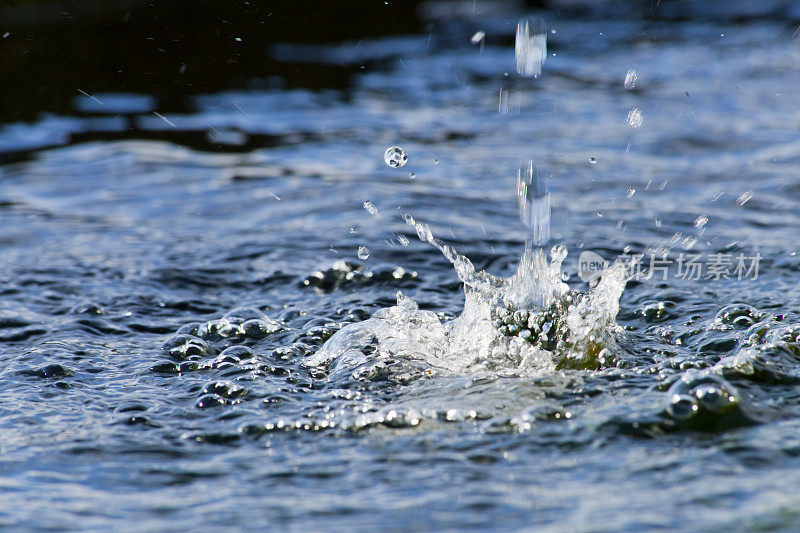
(170, 271)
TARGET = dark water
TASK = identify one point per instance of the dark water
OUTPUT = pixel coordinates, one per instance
(165, 277)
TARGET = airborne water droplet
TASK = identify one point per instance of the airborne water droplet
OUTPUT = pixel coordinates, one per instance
(630, 79)
(395, 157)
(701, 221)
(411, 175)
(592, 161)
(743, 199)
(478, 37)
(530, 47)
(630, 193)
(371, 209)
(403, 239)
(635, 117)
(363, 253)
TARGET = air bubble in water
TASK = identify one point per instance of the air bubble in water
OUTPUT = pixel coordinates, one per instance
(530, 47)
(371, 209)
(533, 201)
(630, 79)
(363, 253)
(743, 199)
(395, 157)
(635, 117)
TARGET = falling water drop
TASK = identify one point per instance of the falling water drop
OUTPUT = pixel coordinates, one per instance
(744, 198)
(395, 157)
(478, 37)
(436, 161)
(411, 175)
(371, 209)
(530, 47)
(363, 253)
(533, 200)
(403, 239)
(630, 79)
(630, 193)
(635, 117)
(592, 161)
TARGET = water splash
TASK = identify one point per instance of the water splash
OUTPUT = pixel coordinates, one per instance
(533, 200)
(526, 324)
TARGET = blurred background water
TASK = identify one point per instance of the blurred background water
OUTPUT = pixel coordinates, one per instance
(182, 204)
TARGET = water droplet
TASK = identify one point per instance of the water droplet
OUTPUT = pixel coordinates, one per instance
(403, 239)
(630, 79)
(371, 209)
(635, 117)
(630, 193)
(701, 221)
(530, 47)
(395, 157)
(363, 253)
(743, 199)
(436, 161)
(592, 161)
(411, 175)
(353, 229)
(599, 214)
(478, 37)
(533, 201)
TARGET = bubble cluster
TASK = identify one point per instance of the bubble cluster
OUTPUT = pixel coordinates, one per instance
(703, 401)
